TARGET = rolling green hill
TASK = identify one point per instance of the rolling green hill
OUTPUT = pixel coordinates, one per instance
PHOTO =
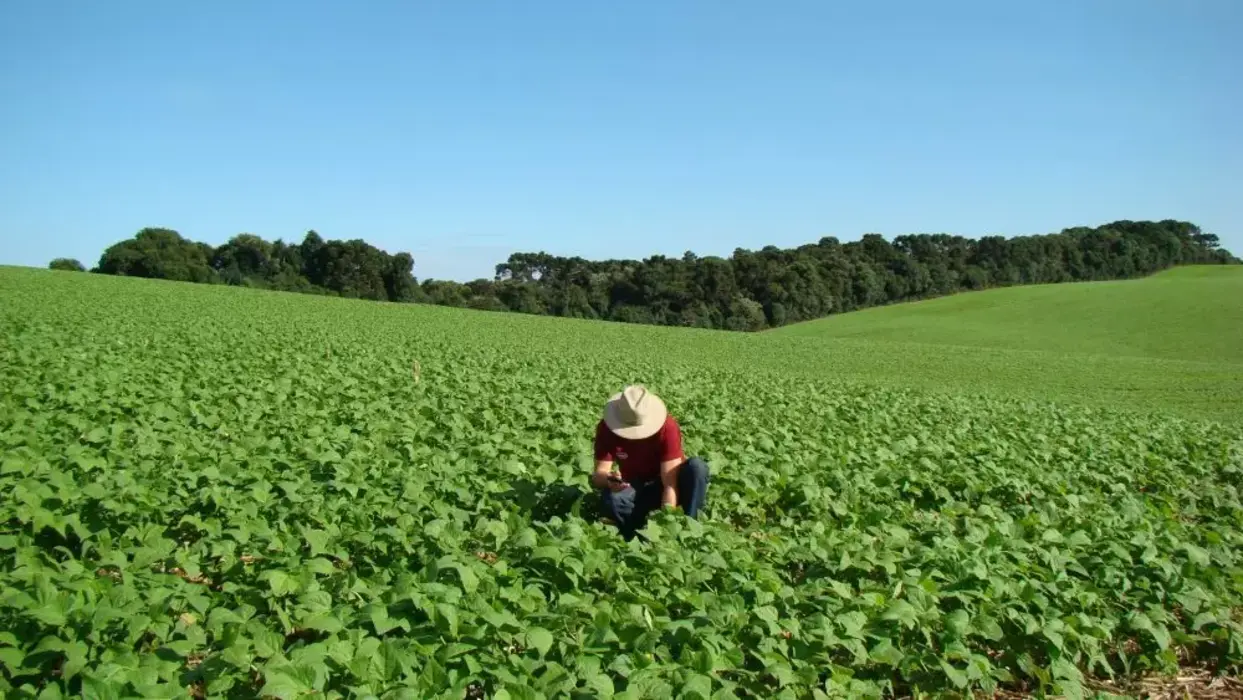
(1188, 313)
(1171, 343)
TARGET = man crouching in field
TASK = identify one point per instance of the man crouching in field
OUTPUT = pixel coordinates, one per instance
(638, 433)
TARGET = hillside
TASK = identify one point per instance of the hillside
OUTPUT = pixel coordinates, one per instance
(248, 493)
(1186, 388)
(1170, 343)
(1188, 313)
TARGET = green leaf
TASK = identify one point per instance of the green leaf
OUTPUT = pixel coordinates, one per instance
(470, 582)
(704, 661)
(380, 619)
(599, 685)
(100, 689)
(52, 613)
(852, 623)
(958, 623)
(94, 490)
(546, 552)
(448, 614)
(539, 639)
(1197, 555)
(12, 658)
(1141, 622)
(1078, 538)
(697, 686)
(1059, 642)
(902, 612)
(766, 613)
(958, 678)
(323, 622)
(1203, 619)
(281, 583)
(321, 566)
(1161, 635)
(317, 540)
(288, 681)
(884, 652)
(989, 628)
(13, 465)
(181, 647)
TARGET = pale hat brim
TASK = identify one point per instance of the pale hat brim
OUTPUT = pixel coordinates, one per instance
(651, 424)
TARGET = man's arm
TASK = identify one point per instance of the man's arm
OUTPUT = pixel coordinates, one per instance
(671, 459)
(600, 477)
(669, 482)
(604, 458)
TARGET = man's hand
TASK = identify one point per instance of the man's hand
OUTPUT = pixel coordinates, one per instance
(603, 478)
(669, 483)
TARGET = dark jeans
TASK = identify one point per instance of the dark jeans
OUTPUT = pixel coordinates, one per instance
(630, 508)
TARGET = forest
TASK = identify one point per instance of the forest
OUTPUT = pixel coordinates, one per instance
(750, 290)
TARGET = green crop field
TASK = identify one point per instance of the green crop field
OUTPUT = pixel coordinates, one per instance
(1168, 343)
(223, 492)
(1190, 313)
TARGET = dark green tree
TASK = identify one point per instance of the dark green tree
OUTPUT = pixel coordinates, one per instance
(159, 253)
(748, 291)
(245, 259)
(68, 264)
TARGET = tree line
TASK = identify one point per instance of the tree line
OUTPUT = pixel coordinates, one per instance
(748, 291)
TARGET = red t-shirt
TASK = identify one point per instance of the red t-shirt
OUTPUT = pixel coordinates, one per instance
(640, 460)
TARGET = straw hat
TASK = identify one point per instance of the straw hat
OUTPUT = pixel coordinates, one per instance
(635, 413)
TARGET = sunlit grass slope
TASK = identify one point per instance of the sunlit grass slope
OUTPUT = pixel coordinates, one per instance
(1191, 313)
(1172, 343)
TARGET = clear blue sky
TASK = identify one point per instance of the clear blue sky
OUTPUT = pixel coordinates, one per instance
(463, 131)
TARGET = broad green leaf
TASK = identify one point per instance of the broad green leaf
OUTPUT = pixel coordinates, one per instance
(51, 613)
(11, 658)
(288, 682)
(100, 689)
(323, 622)
(958, 623)
(958, 677)
(697, 686)
(599, 685)
(281, 583)
(901, 611)
(1197, 555)
(767, 613)
(539, 639)
(321, 566)
(448, 613)
(852, 623)
(884, 652)
(316, 539)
